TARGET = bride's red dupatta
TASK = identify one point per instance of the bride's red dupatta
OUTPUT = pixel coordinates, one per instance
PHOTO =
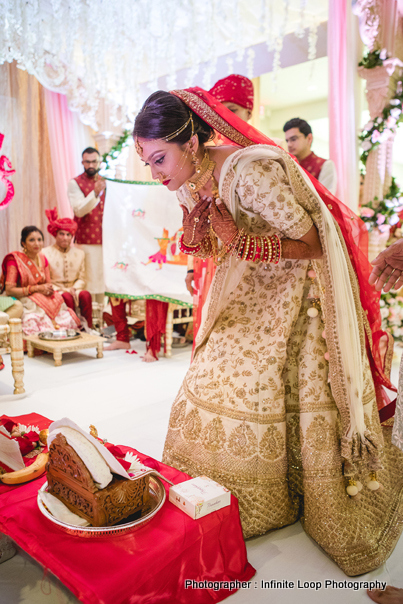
(379, 343)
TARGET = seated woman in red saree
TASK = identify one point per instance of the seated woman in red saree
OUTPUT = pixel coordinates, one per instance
(25, 275)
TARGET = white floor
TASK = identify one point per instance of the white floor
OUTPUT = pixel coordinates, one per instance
(129, 403)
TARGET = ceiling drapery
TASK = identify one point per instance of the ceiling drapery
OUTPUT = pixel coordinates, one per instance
(107, 49)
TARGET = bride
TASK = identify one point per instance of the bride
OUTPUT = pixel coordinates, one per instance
(280, 404)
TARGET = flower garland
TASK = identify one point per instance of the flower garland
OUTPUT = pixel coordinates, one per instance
(380, 129)
(110, 158)
(384, 214)
(30, 439)
(373, 59)
(392, 314)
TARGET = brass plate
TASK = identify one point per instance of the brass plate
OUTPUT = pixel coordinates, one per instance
(62, 335)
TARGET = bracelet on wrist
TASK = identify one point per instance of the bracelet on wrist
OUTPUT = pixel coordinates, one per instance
(188, 249)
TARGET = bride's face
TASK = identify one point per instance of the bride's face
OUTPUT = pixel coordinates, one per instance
(170, 163)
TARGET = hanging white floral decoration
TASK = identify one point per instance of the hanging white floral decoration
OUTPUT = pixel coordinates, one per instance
(93, 51)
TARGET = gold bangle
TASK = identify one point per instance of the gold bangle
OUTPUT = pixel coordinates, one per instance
(279, 248)
(246, 250)
(240, 246)
(235, 243)
(270, 249)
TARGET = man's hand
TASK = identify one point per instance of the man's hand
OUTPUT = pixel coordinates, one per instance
(388, 268)
(189, 282)
(99, 186)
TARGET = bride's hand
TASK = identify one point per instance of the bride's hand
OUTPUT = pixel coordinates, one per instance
(222, 222)
(196, 223)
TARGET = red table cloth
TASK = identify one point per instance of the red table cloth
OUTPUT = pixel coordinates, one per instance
(149, 566)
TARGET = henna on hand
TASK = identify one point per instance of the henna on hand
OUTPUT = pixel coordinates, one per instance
(222, 222)
(196, 223)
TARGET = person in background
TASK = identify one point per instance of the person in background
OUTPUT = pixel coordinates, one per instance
(236, 93)
(298, 136)
(66, 264)
(86, 194)
(391, 595)
(26, 276)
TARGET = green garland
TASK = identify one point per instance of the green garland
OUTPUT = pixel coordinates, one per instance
(116, 150)
(372, 59)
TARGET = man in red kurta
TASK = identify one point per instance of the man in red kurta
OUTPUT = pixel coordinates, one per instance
(298, 135)
(86, 193)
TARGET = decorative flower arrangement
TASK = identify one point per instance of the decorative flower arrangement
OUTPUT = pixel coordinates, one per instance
(373, 59)
(392, 314)
(380, 129)
(110, 158)
(383, 127)
(387, 213)
(129, 461)
(30, 439)
(383, 214)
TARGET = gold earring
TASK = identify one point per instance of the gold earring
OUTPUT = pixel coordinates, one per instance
(196, 162)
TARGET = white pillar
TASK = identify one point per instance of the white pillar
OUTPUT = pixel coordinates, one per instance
(344, 48)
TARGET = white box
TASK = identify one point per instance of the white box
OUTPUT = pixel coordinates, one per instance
(199, 496)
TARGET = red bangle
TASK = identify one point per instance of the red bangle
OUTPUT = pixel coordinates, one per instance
(194, 249)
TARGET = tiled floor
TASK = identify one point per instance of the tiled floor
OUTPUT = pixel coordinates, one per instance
(129, 403)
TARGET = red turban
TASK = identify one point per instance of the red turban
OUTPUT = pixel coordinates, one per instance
(59, 224)
(234, 89)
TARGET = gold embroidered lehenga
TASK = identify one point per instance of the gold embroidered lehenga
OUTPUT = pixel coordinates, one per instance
(261, 410)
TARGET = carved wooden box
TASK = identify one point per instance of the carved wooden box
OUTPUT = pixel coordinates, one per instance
(70, 481)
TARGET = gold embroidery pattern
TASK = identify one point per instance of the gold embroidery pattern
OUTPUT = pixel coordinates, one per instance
(209, 115)
(272, 444)
(320, 436)
(213, 435)
(261, 417)
(242, 442)
(192, 425)
(178, 413)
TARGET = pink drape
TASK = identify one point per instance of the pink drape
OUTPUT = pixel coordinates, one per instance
(61, 138)
(342, 45)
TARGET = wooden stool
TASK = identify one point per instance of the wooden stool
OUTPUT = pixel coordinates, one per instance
(186, 313)
(59, 348)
